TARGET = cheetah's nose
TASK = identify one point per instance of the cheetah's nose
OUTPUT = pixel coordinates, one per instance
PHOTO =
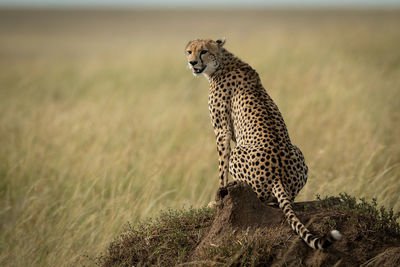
(193, 63)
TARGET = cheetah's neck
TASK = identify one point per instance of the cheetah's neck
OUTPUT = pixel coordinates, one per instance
(228, 63)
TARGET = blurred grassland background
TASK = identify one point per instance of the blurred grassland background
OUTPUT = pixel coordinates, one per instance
(101, 122)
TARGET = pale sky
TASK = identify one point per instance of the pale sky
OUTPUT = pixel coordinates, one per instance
(204, 3)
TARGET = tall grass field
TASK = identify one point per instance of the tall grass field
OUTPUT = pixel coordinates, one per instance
(101, 122)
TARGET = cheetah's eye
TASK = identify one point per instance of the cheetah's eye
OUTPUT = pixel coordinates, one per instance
(189, 52)
(203, 52)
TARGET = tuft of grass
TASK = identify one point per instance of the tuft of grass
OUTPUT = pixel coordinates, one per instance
(165, 241)
(368, 214)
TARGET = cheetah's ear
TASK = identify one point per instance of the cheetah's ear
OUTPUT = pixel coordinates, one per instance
(221, 42)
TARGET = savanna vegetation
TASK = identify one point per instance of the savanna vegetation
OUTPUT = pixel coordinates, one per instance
(102, 124)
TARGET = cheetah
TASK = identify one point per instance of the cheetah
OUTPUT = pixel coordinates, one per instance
(242, 111)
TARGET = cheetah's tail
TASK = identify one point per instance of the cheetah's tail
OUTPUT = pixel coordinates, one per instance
(298, 226)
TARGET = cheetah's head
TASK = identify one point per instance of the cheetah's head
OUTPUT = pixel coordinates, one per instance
(204, 56)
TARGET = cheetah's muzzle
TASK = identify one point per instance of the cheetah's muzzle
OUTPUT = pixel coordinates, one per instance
(198, 71)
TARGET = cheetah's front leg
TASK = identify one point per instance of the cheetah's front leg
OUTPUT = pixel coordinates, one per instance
(224, 151)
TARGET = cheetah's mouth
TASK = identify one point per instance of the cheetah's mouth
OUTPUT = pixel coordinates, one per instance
(198, 71)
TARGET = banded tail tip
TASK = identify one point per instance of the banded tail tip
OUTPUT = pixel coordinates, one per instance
(331, 238)
(336, 235)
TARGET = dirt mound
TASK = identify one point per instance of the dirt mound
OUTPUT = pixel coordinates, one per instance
(238, 211)
(244, 231)
(241, 215)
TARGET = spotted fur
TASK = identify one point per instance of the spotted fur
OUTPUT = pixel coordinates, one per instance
(242, 111)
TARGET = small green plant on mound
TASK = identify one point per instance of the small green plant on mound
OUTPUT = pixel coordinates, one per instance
(374, 218)
(165, 240)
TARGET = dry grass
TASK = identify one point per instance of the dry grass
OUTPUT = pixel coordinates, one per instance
(101, 123)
